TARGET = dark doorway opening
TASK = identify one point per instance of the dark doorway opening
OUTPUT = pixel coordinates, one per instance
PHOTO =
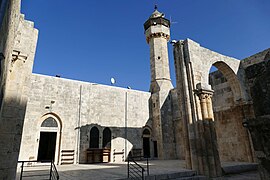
(146, 147)
(155, 149)
(107, 136)
(94, 138)
(47, 143)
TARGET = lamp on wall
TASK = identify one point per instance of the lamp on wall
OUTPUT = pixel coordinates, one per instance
(245, 124)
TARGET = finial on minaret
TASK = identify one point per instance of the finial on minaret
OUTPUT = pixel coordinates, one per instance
(155, 7)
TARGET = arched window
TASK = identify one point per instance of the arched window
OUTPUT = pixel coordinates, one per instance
(49, 122)
(146, 132)
(107, 135)
(94, 137)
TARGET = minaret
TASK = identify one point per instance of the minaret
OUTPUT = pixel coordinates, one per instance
(157, 32)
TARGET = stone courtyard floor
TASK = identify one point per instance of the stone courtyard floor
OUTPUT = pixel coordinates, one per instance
(119, 171)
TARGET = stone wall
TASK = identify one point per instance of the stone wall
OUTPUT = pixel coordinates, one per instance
(257, 79)
(18, 39)
(232, 137)
(178, 134)
(81, 105)
(256, 58)
(257, 73)
(204, 151)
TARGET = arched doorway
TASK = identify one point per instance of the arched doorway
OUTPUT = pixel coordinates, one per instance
(94, 137)
(48, 140)
(146, 143)
(107, 136)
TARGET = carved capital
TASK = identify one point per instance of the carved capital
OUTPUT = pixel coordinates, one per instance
(204, 94)
(157, 34)
(205, 97)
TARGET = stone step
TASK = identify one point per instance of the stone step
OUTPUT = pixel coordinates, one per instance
(239, 168)
(192, 178)
(178, 175)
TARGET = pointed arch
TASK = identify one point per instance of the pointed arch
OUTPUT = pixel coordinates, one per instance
(107, 136)
(232, 79)
(94, 137)
(50, 123)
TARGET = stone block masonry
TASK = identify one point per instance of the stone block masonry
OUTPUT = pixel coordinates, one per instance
(18, 39)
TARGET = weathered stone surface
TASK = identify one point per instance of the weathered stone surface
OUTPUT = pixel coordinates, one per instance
(18, 39)
(233, 139)
(157, 36)
(259, 85)
(257, 71)
(183, 123)
(80, 106)
(230, 102)
(259, 129)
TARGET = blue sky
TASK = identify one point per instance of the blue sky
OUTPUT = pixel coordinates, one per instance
(94, 40)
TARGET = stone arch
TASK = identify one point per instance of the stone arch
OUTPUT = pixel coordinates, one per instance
(44, 125)
(94, 137)
(146, 132)
(228, 99)
(192, 64)
(49, 122)
(54, 116)
(231, 77)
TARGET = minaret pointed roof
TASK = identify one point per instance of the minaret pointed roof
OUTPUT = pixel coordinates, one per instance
(156, 14)
(156, 18)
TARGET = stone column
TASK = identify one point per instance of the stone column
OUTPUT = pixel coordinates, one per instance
(207, 140)
(204, 104)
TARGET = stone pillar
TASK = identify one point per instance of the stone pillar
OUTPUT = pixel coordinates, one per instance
(18, 39)
(207, 148)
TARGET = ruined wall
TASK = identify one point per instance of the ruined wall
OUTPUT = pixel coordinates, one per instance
(18, 39)
(232, 137)
(257, 71)
(80, 106)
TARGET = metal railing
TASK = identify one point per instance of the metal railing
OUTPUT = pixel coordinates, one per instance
(135, 170)
(52, 173)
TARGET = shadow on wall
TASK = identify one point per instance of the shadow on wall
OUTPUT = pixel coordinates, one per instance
(258, 79)
(121, 141)
(11, 125)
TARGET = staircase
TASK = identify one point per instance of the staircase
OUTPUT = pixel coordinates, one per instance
(187, 175)
(138, 171)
